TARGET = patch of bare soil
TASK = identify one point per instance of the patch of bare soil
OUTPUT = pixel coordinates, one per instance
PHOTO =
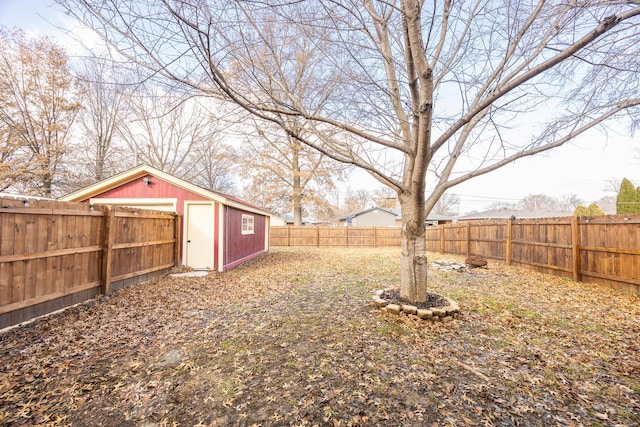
(292, 338)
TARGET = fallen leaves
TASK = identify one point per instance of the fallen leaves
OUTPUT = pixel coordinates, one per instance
(293, 339)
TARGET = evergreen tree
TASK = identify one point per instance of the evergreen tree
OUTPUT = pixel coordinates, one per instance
(628, 201)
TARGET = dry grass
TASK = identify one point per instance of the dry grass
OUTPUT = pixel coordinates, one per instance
(293, 339)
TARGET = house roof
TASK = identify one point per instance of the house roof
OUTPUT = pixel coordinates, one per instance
(143, 170)
(354, 215)
(508, 213)
(431, 217)
(398, 214)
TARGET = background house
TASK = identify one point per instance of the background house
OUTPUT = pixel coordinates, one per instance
(218, 231)
(512, 213)
(379, 217)
(373, 217)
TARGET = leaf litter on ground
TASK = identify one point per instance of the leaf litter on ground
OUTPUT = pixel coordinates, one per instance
(292, 338)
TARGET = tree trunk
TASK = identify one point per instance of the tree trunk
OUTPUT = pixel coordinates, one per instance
(413, 259)
(297, 186)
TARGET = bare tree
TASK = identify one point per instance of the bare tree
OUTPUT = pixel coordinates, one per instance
(104, 100)
(356, 200)
(163, 128)
(385, 197)
(38, 106)
(213, 163)
(501, 205)
(280, 165)
(536, 202)
(569, 202)
(438, 90)
(448, 204)
(612, 186)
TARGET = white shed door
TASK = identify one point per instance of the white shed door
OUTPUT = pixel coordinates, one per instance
(200, 235)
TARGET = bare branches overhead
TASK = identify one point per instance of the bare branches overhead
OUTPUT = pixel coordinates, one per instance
(422, 95)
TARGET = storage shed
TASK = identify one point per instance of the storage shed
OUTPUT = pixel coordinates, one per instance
(218, 231)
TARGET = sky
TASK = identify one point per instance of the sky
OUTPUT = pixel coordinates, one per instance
(582, 167)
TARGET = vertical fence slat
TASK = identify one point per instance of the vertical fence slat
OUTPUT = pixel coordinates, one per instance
(601, 250)
(177, 234)
(509, 250)
(109, 216)
(54, 254)
(468, 240)
(575, 248)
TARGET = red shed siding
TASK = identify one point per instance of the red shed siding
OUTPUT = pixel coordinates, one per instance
(160, 189)
(242, 247)
(137, 189)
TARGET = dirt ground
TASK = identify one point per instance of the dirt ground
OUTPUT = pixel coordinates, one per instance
(293, 338)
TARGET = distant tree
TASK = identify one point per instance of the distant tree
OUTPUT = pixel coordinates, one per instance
(592, 210)
(104, 99)
(612, 186)
(11, 164)
(569, 202)
(628, 201)
(608, 204)
(163, 129)
(355, 201)
(38, 106)
(501, 205)
(448, 204)
(278, 164)
(385, 197)
(535, 202)
(213, 164)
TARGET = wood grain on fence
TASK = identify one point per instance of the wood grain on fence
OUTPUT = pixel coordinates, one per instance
(604, 249)
(335, 236)
(55, 254)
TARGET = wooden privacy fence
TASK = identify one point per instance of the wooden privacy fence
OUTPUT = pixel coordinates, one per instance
(334, 236)
(55, 254)
(603, 249)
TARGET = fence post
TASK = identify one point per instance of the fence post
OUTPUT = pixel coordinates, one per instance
(442, 239)
(509, 241)
(107, 250)
(177, 223)
(575, 248)
(375, 237)
(288, 235)
(468, 239)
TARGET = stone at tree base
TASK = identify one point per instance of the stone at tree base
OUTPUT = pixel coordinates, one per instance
(379, 292)
(379, 302)
(425, 314)
(447, 318)
(393, 308)
(410, 309)
(438, 312)
(449, 310)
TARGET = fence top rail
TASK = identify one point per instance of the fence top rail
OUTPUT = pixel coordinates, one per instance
(582, 220)
(49, 211)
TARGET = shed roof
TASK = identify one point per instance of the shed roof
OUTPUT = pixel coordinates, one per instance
(143, 170)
